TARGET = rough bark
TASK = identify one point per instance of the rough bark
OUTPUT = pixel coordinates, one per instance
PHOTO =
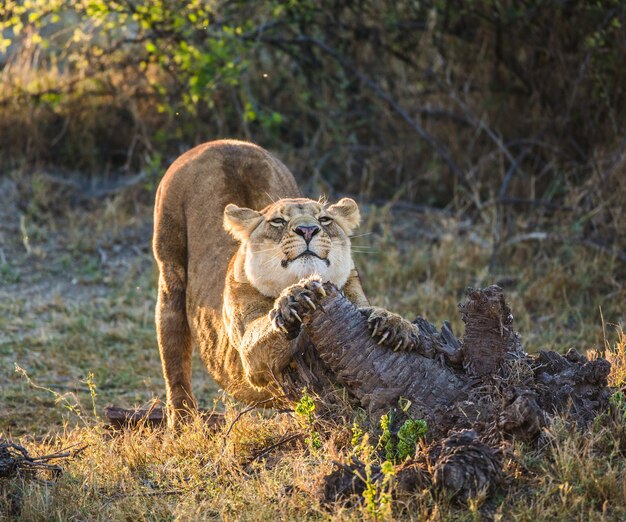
(479, 389)
(465, 466)
(460, 464)
(489, 336)
(377, 376)
(496, 384)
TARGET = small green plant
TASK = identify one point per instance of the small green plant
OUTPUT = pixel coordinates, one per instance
(8, 274)
(386, 438)
(377, 492)
(90, 381)
(408, 436)
(402, 445)
(305, 410)
(618, 401)
(384, 499)
(357, 436)
(68, 400)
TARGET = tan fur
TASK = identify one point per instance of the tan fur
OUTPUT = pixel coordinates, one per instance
(217, 292)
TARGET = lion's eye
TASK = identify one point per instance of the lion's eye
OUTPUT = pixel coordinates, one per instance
(325, 220)
(278, 222)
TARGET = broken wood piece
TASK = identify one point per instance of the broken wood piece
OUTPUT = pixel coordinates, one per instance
(464, 466)
(497, 385)
(489, 335)
(120, 418)
(16, 459)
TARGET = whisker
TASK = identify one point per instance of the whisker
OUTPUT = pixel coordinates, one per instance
(273, 258)
(360, 235)
(277, 253)
(265, 250)
(269, 249)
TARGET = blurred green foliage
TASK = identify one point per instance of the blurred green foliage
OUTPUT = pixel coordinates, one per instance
(436, 102)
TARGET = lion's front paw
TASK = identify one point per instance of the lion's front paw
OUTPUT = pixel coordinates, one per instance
(391, 329)
(294, 303)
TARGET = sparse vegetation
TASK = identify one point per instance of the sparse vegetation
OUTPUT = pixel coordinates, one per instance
(485, 143)
(58, 330)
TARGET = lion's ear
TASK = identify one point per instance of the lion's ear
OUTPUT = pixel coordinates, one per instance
(240, 222)
(346, 213)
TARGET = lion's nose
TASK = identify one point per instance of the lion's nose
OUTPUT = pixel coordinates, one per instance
(307, 231)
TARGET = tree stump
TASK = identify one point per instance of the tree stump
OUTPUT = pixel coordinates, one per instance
(476, 389)
(441, 378)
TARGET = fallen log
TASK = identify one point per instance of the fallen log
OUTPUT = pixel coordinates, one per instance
(120, 418)
(378, 376)
(483, 381)
(477, 390)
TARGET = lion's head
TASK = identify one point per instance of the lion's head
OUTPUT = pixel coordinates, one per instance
(292, 239)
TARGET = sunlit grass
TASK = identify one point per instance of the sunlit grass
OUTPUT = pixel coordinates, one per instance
(89, 310)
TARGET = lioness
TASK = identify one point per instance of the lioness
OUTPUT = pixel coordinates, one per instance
(241, 258)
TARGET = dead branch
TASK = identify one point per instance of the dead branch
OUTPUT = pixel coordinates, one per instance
(484, 379)
(16, 459)
(120, 418)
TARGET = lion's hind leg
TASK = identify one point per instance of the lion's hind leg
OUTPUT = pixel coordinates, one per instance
(175, 344)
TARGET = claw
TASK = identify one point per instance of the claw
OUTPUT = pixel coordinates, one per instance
(322, 291)
(382, 339)
(398, 346)
(310, 303)
(280, 325)
(295, 314)
(375, 329)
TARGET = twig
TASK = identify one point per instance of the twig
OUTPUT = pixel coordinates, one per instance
(537, 203)
(399, 204)
(15, 458)
(478, 122)
(117, 187)
(504, 187)
(267, 450)
(68, 387)
(438, 147)
(243, 412)
(509, 174)
(166, 493)
(64, 453)
(25, 237)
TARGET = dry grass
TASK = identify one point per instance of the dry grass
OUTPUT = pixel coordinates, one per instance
(77, 297)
